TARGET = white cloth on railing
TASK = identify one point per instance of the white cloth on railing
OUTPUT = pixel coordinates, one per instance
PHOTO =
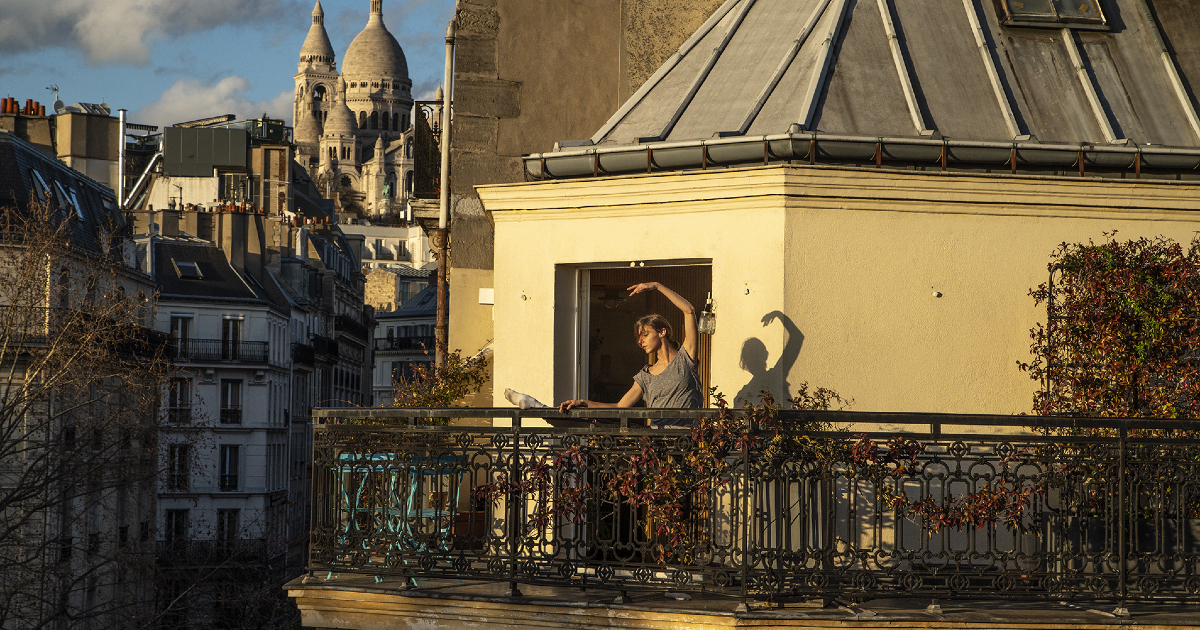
(523, 401)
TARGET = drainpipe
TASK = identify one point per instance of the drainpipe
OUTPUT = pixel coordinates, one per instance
(121, 159)
(442, 234)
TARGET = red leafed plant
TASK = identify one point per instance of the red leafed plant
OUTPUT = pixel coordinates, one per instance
(1122, 337)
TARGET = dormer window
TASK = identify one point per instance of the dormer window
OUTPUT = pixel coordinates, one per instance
(1084, 14)
(188, 270)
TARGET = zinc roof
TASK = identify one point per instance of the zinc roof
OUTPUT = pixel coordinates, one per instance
(956, 69)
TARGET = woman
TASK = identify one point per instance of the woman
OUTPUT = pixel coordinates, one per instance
(672, 381)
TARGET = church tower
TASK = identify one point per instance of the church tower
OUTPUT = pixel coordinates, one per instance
(316, 82)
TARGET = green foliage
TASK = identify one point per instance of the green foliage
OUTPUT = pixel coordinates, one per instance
(1123, 333)
(445, 386)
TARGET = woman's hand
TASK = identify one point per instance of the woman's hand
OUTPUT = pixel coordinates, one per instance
(642, 288)
(568, 405)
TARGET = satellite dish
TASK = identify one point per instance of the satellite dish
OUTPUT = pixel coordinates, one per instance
(106, 108)
(60, 107)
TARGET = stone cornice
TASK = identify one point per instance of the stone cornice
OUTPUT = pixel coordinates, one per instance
(845, 189)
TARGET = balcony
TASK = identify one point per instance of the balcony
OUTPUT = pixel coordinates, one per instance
(397, 344)
(218, 350)
(935, 508)
(178, 554)
(228, 483)
(304, 354)
(179, 415)
(346, 324)
(325, 346)
(231, 415)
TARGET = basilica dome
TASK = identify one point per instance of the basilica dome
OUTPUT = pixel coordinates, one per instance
(375, 53)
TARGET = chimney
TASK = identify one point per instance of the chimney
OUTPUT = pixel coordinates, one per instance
(231, 237)
(170, 223)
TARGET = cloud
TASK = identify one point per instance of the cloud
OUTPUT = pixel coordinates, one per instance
(425, 90)
(121, 30)
(191, 99)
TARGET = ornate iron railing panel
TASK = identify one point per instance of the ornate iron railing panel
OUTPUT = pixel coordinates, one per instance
(1004, 512)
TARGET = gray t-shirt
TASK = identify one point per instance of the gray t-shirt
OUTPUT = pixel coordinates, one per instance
(678, 387)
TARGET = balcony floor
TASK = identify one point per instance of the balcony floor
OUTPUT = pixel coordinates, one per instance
(357, 601)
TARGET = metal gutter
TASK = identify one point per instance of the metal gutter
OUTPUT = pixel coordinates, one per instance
(817, 147)
(986, 54)
(783, 66)
(665, 69)
(817, 82)
(1088, 88)
(1169, 65)
(910, 96)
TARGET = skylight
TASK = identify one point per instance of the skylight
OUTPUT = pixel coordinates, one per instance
(189, 270)
(1052, 13)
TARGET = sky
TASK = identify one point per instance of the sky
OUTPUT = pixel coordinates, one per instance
(169, 61)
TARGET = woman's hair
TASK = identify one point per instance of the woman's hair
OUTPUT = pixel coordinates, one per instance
(657, 322)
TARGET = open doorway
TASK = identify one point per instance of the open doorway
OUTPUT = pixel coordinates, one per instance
(609, 354)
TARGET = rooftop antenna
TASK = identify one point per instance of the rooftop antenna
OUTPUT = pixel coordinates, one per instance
(53, 88)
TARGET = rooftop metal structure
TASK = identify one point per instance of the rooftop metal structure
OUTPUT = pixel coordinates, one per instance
(1069, 78)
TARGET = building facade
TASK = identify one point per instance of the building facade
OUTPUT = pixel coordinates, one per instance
(262, 297)
(78, 463)
(403, 338)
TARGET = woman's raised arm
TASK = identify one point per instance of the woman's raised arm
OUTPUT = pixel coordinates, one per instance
(691, 338)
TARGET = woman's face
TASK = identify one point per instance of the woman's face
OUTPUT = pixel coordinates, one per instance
(650, 340)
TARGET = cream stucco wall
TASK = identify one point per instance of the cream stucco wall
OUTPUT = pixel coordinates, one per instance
(540, 244)
(852, 257)
(470, 325)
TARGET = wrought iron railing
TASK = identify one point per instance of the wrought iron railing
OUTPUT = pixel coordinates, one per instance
(193, 553)
(304, 353)
(1106, 517)
(404, 343)
(325, 345)
(228, 483)
(219, 350)
(347, 324)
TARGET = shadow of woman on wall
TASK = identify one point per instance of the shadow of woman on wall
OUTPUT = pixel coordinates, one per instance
(754, 360)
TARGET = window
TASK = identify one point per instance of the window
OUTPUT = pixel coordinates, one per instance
(607, 353)
(408, 182)
(362, 120)
(234, 186)
(179, 400)
(227, 525)
(374, 120)
(396, 121)
(229, 468)
(231, 401)
(1053, 13)
(177, 467)
(39, 185)
(231, 337)
(180, 333)
(177, 526)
